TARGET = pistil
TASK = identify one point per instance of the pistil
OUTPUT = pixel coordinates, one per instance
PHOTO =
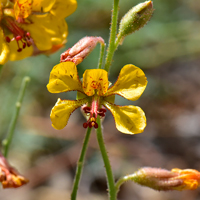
(93, 111)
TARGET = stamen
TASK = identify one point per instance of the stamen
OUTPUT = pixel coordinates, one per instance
(18, 33)
(85, 125)
(24, 45)
(19, 50)
(7, 39)
(93, 115)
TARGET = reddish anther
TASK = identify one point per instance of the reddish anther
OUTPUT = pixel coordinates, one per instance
(28, 34)
(18, 37)
(24, 45)
(85, 125)
(87, 109)
(96, 125)
(19, 50)
(7, 39)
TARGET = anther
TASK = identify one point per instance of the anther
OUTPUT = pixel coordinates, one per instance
(7, 39)
(18, 38)
(85, 125)
(28, 34)
(19, 50)
(24, 45)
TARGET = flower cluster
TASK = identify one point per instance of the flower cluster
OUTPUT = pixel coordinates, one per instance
(37, 24)
(94, 93)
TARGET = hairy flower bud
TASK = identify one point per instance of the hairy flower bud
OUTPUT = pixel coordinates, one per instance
(164, 180)
(81, 49)
(135, 19)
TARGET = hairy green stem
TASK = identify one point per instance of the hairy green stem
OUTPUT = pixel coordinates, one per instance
(7, 141)
(102, 49)
(110, 178)
(117, 42)
(80, 165)
(123, 180)
(113, 29)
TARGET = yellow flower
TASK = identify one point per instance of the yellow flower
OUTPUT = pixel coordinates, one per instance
(190, 178)
(38, 25)
(94, 92)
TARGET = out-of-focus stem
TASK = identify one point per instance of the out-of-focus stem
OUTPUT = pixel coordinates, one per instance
(80, 165)
(7, 141)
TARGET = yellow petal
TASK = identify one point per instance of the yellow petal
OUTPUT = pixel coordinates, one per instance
(61, 112)
(22, 8)
(4, 50)
(95, 79)
(43, 5)
(130, 84)
(128, 119)
(15, 55)
(40, 37)
(64, 78)
(56, 29)
(63, 9)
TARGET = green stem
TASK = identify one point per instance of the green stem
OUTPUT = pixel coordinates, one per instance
(110, 178)
(122, 181)
(113, 28)
(7, 141)
(1, 68)
(80, 165)
(102, 49)
(118, 40)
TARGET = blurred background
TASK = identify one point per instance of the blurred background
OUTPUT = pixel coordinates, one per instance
(168, 50)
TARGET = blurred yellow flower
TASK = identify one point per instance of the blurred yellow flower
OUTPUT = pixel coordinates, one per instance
(94, 93)
(37, 24)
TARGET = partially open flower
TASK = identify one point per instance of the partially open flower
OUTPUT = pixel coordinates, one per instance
(28, 27)
(10, 177)
(190, 178)
(94, 93)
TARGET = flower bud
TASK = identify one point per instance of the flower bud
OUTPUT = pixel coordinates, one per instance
(10, 177)
(135, 19)
(164, 180)
(81, 49)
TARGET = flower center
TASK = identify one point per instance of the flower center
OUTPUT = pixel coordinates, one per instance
(93, 111)
(19, 35)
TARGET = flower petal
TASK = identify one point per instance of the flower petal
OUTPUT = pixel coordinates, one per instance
(63, 9)
(62, 110)
(128, 119)
(22, 8)
(56, 29)
(4, 54)
(15, 55)
(95, 79)
(64, 78)
(130, 84)
(41, 39)
(4, 50)
(43, 5)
